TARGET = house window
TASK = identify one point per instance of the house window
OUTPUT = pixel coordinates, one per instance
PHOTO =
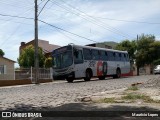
(3, 69)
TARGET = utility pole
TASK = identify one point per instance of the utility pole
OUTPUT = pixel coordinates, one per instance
(137, 65)
(36, 57)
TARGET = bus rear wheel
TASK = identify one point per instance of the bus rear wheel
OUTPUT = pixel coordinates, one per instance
(101, 77)
(70, 80)
(118, 73)
(88, 75)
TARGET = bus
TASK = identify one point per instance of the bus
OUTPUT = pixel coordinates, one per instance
(76, 62)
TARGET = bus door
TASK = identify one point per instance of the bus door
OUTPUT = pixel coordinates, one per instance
(78, 62)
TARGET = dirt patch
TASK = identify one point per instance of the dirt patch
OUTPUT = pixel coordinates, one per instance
(140, 93)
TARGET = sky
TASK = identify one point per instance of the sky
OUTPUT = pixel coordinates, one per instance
(96, 20)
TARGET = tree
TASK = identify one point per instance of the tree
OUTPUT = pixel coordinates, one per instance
(144, 53)
(155, 52)
(26, 58)
(145, 50)
(48, 62)
(1, 52)
(129, 46)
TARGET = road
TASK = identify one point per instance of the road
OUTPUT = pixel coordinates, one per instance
(40, 97)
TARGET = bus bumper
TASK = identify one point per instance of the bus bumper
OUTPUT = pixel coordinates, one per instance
(64, 76)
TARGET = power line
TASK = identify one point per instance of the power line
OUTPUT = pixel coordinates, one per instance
(15, 16)
(16, 28)
(66, 35)
(102, 24)
(93, 21)
(15, 21)
(14, 5)
(43, 7)
(68, 31)
(11, 20)
(121, 20)
(128, 20)
(83, 18)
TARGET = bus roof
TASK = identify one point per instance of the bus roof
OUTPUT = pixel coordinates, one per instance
(90, 47)
(98, 48)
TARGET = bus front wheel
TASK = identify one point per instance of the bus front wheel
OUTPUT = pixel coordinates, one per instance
(88, 75)
(70, 80)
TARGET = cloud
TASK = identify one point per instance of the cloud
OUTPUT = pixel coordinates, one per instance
(61, 15)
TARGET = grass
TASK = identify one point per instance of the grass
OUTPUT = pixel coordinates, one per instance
(130, 96)
(133, 97)
(107, 100)
(133, 88)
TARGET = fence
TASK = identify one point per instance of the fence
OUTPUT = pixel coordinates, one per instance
(25, 74)
(29, 73)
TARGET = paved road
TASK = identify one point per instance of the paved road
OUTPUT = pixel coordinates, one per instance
(59, 93)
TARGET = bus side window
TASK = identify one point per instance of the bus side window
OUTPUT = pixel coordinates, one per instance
(78, 57)
(116, 57)
(100, 55)
(106, 55)
(103, 55)
(95, 55)
(87, 54)
(122, 57)
(111, 56)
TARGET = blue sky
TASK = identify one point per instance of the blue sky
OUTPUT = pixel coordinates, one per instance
(99, 20)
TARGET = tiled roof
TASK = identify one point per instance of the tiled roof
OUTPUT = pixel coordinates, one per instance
(47, 48)
(7, 59)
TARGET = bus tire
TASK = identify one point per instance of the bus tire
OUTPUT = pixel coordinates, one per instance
(70, 80)
(101, 77)
(88, 75)
(118, 73)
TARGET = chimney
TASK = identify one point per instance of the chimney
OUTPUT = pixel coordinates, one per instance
(23, 43)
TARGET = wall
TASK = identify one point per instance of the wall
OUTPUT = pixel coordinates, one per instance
(146, 70)
(19, 82)
(9, 69)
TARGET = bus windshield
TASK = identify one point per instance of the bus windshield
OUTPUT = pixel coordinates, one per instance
(62, 60)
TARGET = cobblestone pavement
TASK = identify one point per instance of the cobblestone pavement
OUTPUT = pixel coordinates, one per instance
(59, 93)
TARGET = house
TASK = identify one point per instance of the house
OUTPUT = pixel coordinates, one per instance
(46, 47)
(6, 69)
